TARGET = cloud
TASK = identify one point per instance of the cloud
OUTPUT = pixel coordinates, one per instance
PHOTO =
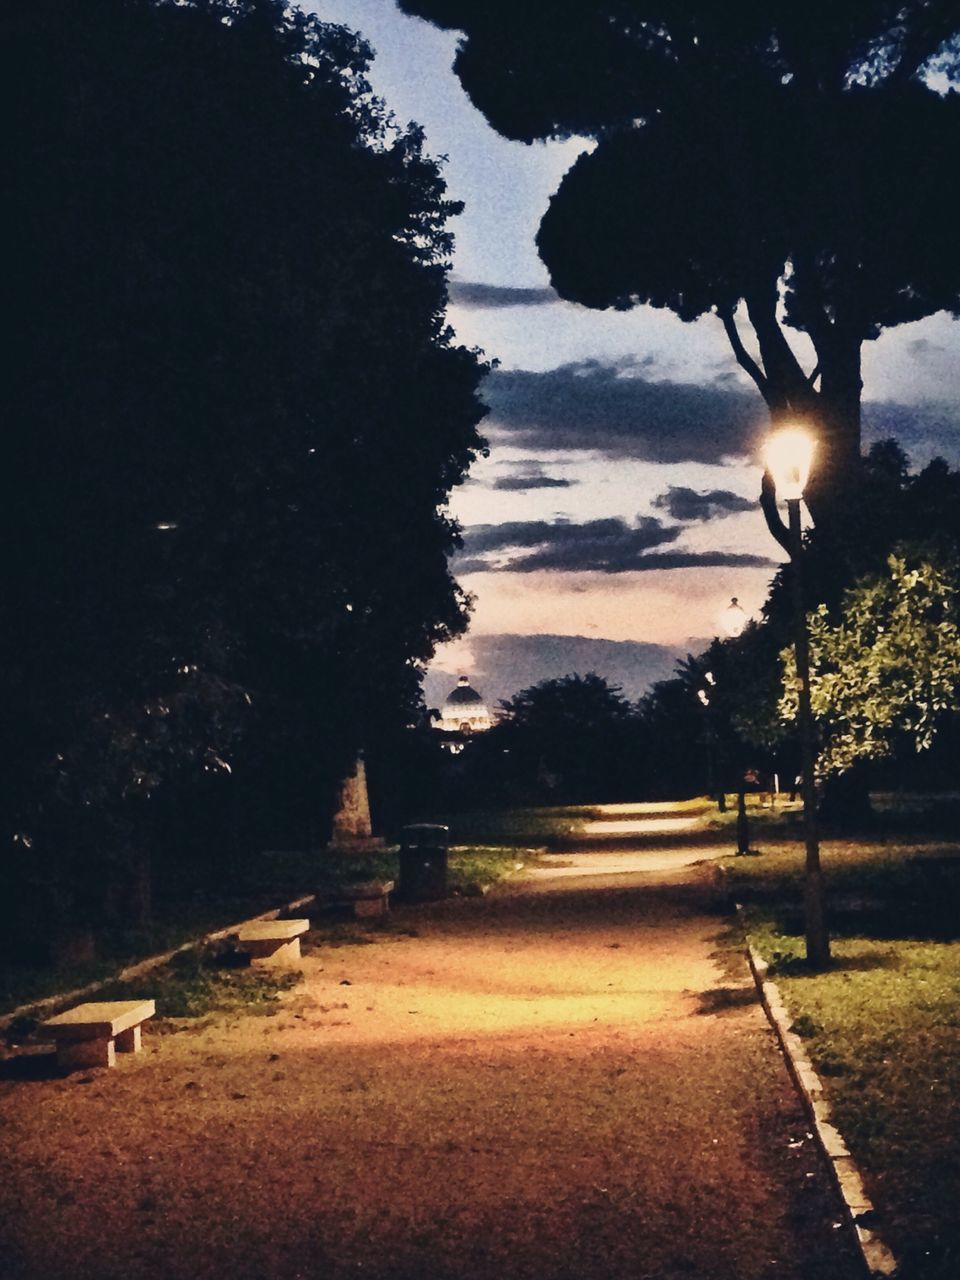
(608, 545)
(692, 504)
(923, 430)
(705, 560)
(532, 477)
(466, 565)
(613, 409)
(501, 665)
(474, 295)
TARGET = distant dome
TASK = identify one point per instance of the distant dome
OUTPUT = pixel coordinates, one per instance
(462, 694)
(464, 711)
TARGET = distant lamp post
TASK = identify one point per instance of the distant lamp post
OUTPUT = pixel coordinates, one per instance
(733, 619)
(788, 456)
(709, 737)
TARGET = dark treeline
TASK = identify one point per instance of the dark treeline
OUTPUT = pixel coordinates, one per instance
(232, 415)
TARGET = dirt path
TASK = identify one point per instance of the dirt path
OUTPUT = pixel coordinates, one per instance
(553, 1084)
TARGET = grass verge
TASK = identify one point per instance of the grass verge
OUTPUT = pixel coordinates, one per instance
(194, 984)
(882, 1027)
(518, 828)
(263, 882)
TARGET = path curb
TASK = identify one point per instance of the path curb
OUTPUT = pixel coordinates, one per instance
(50, 1004)
(878, 1258)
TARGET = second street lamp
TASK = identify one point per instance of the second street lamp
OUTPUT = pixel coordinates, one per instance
(787, 457)
(733, 620)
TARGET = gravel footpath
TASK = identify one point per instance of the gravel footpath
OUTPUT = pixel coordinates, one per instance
(556, 1084)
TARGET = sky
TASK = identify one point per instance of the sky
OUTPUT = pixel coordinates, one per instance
(616, 514)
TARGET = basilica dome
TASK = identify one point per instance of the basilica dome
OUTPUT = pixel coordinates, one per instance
(464, 711)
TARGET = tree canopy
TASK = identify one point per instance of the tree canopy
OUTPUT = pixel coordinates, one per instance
(569, 737)
(234, 411)
(887, 669)
(789, 158)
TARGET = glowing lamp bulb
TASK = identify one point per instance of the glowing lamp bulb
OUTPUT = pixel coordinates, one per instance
(788, 456)
(733, 619)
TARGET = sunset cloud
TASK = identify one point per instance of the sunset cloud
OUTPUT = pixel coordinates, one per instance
(688, 504)
(501, 665)
(612, 408)
(531, 477)
(606, 546)
(465, 293)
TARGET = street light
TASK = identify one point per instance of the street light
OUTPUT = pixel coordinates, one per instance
(787, 457)
(703, 696)
(733, 619)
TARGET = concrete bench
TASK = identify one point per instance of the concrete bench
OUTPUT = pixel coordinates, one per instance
(90, 1034)
(369, 899)
(273, 942)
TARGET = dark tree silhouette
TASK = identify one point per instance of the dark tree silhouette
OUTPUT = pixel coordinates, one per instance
(568, 738)
(785, 156)
(233, 415)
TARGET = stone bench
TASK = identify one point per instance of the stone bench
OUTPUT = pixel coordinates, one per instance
(272, 942)
(369, 899)
(90, 1034)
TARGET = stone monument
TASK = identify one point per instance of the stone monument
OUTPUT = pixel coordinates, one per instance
(352, 830)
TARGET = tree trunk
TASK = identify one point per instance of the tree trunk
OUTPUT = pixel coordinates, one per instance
(129, 891)
(833, 479)
(832, 413)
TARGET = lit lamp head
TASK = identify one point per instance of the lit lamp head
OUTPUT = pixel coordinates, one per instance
(733, 619)
(788, 456)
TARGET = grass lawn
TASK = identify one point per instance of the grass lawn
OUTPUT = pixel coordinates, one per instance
(523, 828)
(883, 1026)
(487, 847)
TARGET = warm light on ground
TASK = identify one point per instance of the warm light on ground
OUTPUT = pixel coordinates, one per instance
(640, 826)
(667, 806)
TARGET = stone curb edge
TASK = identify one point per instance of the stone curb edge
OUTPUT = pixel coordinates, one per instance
(878, 1258)
(50, 1004)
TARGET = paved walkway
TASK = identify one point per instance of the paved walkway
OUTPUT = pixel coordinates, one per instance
(555, 1082)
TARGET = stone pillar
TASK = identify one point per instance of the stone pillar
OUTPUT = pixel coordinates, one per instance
(352, 819)
(352, 829)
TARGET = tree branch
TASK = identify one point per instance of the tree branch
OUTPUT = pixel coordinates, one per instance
(926, 34)
(771, 512)
(743, 356)
(786, 379)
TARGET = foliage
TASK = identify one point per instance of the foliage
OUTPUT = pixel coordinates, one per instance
(888, 669)
(576, 703)
(790, 158)
(569, 738)
(195, 983)
(238, 414)
(719, 701)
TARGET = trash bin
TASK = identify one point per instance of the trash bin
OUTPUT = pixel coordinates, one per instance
(423, 862)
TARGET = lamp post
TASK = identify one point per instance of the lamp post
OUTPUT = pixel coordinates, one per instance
(709, 737)
(733, 619)
(787, 456)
